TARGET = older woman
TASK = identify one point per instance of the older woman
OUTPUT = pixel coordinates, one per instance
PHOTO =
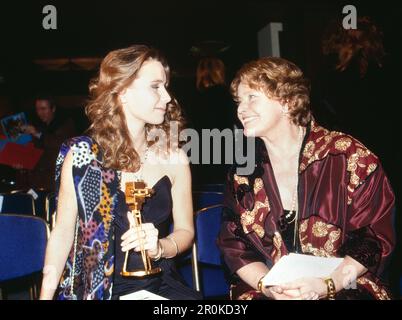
(313, 191)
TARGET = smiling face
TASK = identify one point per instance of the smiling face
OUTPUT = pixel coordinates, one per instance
(145, 99)
(258, 113)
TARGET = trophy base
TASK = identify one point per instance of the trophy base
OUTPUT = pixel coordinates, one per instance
(140, 273)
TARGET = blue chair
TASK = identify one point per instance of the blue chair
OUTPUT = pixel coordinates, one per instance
(40, 203)
(39, 198)
(205, 274)
(211, 187)
(400, 287)
(18, 203)
(203, 199)
(23, 240)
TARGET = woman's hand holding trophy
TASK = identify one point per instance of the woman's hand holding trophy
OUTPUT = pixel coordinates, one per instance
(142, 237)
(147, 236)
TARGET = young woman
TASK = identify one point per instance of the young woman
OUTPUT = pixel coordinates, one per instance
(93, 230)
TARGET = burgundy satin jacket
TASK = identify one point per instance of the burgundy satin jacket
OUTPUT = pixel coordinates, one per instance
(346, 207)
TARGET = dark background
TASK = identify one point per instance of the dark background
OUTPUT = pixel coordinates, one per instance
(93, 28)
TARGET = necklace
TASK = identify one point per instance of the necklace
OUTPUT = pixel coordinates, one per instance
(293, 206)
(294, 198)
(138, 175)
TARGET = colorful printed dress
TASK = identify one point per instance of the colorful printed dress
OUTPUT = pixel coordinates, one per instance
(96, 190)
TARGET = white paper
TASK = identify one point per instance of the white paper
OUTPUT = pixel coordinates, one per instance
(1, 203)
(142, 295)
(294, 266)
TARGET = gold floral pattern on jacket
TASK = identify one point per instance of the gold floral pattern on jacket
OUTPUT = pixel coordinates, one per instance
(258, 230)
(246, 296)
(343, 144)
(248, 220)
(258, 185)
(253, 220)
(379, 292)
(241, 180)
(320, 229)
(332, 238)
(303, 226)
(313, 231)
(278, 243)
(361, 162)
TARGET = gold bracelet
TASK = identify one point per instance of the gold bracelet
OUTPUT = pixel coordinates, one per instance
(259, 284)
(160, 252)
(331, 291)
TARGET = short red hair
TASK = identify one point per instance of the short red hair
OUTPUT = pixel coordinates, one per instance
(280, 80)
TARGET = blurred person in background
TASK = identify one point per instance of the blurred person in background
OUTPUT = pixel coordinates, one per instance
(49, 131)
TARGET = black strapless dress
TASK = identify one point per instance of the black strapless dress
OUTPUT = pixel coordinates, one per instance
(157, 210)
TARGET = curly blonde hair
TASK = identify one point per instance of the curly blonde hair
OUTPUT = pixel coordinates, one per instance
(105, 112)
(280, 80)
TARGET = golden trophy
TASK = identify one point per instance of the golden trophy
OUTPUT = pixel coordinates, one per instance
(135, 193)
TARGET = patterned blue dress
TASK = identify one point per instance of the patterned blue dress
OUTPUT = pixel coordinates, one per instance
(102, 218)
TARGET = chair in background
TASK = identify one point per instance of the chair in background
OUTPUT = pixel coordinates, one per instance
(39, 197)
(23, 240)
(40, 203)
(50, 208)
(211, 187)
(18, 203)
(205, 272)
(203, 199)
(400, 287)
